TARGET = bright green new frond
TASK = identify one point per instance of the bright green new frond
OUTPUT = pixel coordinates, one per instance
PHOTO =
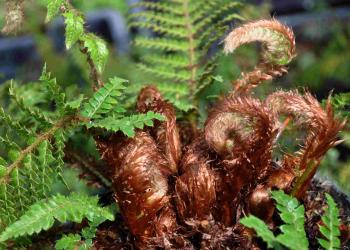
(291, 212)
(53, 7)
(97, 49)
(68, 242)
(127, 124)
(42, 215)
(74, 27)
(331, 222)
(261, 230)
(292, 234)
(105, 99)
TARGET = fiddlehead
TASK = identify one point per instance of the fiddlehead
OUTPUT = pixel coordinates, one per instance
(279, 49)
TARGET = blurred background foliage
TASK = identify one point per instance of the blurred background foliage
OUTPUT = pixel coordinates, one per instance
(322, 65)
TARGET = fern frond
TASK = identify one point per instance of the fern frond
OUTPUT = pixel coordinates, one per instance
(291, 212)
(15, 125)
(162, 44)
(166, 73)
(53, 8)
(331, 222)
(68, 242)
(42, 215)
(53, 88)
(31, 112)
(187, 29)
(261, 230)
(293, 234)
(74, 27)
(127, 124)
(105, 99)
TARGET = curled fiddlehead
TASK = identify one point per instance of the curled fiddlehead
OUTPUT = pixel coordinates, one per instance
(322, 129)
(165, 133)
(279, 49)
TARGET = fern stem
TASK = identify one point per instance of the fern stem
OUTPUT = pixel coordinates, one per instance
(42, 137)
(191, 50)
(302, 182)
(94, 75)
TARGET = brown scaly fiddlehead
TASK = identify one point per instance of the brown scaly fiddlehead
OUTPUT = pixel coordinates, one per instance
(279, 49)
(322, 129)
(166, 133)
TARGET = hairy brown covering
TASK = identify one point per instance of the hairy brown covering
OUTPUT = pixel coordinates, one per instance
(190, 197)
(165, 133)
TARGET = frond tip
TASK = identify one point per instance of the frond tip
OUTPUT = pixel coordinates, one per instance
(278, 40)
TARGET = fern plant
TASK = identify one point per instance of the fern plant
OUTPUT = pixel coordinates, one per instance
(177, 185)
(35, 143)
(330, 230)
(183, 32)
(293, 234)
(42, 215)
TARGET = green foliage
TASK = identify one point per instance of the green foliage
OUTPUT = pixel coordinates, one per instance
(97, 49)
(104, 112)
(42, 215)
(105, 99)
(293, 234)
(330, 229)
(127, 124)
(74, 27)
(341, 103)
(34, 137)
(68, 242)
(53, 8)
(187, 29)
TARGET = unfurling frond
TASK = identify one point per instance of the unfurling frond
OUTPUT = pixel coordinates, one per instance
(279, 50)
(143, 196)
(322, 132)
(166, 133)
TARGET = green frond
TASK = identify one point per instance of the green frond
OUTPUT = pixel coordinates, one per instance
(330, 230)
(53, 8)
(68, 242)
(291, 212)
(175, 32)
(169, 7)
(162, 44)
(165, 19)
(15, 125)
(261, 230)
(42, 215)
(105, 99)
(97, 49)
(127, 124)
(180, 90)
(53, 89)
(167, 73)
(74, 27)
(31, 112)
(173, 61)
(292, 234)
